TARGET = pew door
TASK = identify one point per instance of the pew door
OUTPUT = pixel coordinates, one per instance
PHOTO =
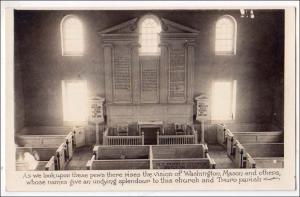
(80, 136)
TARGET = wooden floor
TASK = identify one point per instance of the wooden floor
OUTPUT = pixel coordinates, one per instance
(80, 158)
(219, 154)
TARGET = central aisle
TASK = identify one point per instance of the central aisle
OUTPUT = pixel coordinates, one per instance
(80, 158)
(219, 154)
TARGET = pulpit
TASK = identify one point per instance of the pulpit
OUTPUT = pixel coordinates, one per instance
(150, 129)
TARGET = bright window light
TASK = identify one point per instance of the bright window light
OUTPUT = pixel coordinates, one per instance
(74, 100)
(71, 36)
(225, 43)
(149, 35)
(224, 100)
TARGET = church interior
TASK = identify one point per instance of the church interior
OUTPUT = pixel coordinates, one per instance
(148, 89)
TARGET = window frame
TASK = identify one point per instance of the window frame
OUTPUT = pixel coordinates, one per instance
(234, 37)
(64, 19)
(140, 24)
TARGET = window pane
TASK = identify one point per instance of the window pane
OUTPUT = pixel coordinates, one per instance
(225, 36)
(72, 36)
(149, 38)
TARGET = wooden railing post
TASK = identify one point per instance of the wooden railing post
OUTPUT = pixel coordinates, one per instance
(143, 138)
(195, 137)
(157, 137)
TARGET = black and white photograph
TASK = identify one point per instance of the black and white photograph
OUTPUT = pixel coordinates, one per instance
(125, 90)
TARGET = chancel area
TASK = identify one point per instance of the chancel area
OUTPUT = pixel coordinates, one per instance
(148, 89)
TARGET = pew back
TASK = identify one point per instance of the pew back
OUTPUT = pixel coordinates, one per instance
(25, 166)
(178, 151)
(120, 164)
(259, 137)
(40, 140)
(121, 152)
(46, 130)
(265, 149)
(183, 163)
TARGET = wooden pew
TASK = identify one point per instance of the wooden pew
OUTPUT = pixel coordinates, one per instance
(265, 155)
(247, 137)
(68, 141)
(40, 159)
(189, 156)
(119, 158)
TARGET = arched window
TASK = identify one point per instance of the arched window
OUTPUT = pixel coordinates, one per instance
(225, 43)
(71, 36)
(149, 29)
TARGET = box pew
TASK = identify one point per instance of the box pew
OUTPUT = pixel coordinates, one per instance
(119, 158)
(190, 136)
(265, 155)
(264, 136)
(38, 159)
(189, 156)
(109, 139)
(49, 141)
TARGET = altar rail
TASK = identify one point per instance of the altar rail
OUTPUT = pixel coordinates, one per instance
(178, 139)
(122, 140)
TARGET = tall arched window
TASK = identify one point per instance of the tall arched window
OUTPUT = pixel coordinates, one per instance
(149, 29)
(71, 36)
(225, 43)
